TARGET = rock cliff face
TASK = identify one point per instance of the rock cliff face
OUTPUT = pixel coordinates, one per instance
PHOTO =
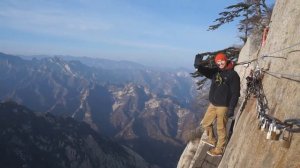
(279, 59)
(248, 146)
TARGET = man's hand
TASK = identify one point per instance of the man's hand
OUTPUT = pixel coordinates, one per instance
(230, 113)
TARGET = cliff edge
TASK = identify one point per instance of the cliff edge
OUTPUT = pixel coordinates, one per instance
(278, 62)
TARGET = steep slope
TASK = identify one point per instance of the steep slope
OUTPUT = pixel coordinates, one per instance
(276, 66)
(41, 140)
(249, 146)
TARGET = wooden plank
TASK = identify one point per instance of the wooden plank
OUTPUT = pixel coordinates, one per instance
(206, 161)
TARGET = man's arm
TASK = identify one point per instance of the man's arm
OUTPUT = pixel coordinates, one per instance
(235, 93)
(207, 72)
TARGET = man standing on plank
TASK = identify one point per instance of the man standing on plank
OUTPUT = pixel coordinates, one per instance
(223, 96)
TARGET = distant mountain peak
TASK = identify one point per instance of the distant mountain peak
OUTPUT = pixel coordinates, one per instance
(31, 140)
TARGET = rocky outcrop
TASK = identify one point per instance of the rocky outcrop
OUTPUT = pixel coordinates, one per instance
(280, 58)
(279, 61)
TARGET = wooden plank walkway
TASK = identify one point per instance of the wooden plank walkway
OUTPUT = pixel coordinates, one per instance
(202, 159)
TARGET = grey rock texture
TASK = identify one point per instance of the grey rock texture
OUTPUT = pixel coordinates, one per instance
(248, 146)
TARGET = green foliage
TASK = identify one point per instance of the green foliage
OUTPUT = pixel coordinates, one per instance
(229, 16)
(253, 15)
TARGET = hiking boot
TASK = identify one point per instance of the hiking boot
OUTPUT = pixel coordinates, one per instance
(209, 142)
(215, 152)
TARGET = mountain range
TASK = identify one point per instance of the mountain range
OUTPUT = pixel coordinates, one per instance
(150, 111)
(34, 140)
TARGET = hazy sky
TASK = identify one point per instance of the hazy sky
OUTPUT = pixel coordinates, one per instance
(153, 32)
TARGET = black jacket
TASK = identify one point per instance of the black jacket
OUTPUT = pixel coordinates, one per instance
(225, 86)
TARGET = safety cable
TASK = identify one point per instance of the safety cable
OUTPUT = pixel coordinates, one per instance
(291, 46)
(282, 75)
(246, 62)
(264, 56)
(287, 124)
(254, 86)
(266, 121)
(274, 74)
(270, 55)
(292, 122)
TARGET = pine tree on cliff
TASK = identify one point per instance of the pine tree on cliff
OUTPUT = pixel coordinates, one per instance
(253, 15)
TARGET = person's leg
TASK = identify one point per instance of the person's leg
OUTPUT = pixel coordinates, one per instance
(207, 122)
(221, 130)
(221, 126)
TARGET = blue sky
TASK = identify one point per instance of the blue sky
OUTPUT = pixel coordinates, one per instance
(151, 32)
